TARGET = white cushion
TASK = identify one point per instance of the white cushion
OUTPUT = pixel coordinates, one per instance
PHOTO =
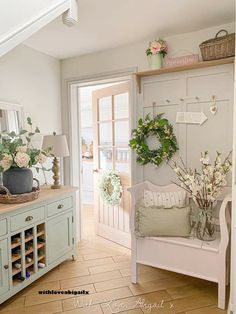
(166, 199)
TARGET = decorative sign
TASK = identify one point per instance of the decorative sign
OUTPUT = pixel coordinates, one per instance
(191, 117)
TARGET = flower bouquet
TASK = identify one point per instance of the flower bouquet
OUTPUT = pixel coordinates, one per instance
(204, 187)
(17, 155)
(156, 50)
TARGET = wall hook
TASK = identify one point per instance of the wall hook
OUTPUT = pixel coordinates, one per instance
(153, 105)
(213, 108)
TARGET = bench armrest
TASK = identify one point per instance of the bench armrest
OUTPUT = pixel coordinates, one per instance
(224, 220)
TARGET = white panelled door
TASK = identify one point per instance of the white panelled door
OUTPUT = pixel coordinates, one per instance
(111, 136)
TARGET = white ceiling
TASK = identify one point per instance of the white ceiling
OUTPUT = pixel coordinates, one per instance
(106, 24)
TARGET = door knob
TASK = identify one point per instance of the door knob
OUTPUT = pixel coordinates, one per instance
(6, 266)
(95, 170)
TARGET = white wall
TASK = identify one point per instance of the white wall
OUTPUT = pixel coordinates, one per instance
(127, 57)
(134, 55)
(32, 79)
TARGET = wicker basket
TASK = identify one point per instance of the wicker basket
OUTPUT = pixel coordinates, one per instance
(7, 198)
(218, 47)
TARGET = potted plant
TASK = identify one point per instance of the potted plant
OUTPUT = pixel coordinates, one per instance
(204, 187)
(17, 156)
(156, 51)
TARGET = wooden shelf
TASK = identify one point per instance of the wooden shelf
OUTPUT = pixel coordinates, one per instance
(29, 238)
(40, 245)
(41, 257)
(14, 245)
(202, 64)
(15, 271)
(29, 251)
(15, 258)
(40, 233)
(29, 264)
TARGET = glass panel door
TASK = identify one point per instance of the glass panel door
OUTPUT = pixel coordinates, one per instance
(113, 132)
(111, 152)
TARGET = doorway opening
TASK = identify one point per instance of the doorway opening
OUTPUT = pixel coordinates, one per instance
(104, 112)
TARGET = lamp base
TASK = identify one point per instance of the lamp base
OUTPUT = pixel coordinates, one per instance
(55, 187)
(55, 170)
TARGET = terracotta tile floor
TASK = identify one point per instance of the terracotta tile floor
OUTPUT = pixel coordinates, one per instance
(103, 268)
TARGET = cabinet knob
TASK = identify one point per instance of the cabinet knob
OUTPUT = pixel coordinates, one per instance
(60, 206)
(95, 170)
(29, 218)
(6, 266)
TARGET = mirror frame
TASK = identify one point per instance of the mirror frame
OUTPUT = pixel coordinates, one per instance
(4, 105)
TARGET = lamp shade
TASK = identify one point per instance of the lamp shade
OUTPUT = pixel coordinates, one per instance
(58, 144)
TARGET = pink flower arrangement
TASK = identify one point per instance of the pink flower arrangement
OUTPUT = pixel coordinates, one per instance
(6, 161)
(22, 159)
(16, 150)
(157, 46)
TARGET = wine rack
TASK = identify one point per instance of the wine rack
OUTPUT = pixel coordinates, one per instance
(28, 253)
(35, 237)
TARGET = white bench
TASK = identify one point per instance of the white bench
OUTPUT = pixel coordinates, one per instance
(189, 256)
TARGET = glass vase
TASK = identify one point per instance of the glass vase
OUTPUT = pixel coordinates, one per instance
(205, 229)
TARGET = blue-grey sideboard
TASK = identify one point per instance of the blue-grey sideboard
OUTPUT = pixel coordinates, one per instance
(35, 237)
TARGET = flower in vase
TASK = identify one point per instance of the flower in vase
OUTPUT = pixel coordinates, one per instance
(21, 149)
(6, 162)
(22, 159)
(41, 158)
(157, 46)
(204, 186)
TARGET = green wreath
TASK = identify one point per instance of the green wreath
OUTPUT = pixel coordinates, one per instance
(163, 130)
(110, 188)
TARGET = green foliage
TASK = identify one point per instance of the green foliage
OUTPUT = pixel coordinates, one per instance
(163, 130)
(12, 144)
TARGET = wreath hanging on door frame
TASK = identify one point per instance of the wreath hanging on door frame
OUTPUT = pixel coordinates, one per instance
(163, 130)
(110, 187)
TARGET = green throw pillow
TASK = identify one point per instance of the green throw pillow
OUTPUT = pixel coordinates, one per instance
(153, 222)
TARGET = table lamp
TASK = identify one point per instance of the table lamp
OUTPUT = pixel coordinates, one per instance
(59, 148)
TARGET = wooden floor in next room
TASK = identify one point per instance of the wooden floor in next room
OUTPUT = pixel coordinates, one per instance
(103, 268)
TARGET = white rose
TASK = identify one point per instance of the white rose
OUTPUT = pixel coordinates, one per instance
(41, 158)
(6, 162)
(21, 149)
(22, 159)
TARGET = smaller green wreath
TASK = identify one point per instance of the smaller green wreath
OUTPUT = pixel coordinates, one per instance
(163, 130)
(110, 188)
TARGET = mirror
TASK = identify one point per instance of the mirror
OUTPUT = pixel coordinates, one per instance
(11, 117)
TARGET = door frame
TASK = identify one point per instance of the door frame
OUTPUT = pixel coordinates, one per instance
(72, 126)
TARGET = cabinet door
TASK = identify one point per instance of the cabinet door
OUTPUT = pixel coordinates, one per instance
(4, 267)
(59, 237)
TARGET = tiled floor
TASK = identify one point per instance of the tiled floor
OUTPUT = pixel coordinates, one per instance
(103, 269)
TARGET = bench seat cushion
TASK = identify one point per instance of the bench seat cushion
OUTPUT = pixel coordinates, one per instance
(153, 221)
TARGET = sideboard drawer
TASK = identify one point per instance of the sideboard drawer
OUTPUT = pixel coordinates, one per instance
(59, 206)
(27, 218)
(3, 227)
